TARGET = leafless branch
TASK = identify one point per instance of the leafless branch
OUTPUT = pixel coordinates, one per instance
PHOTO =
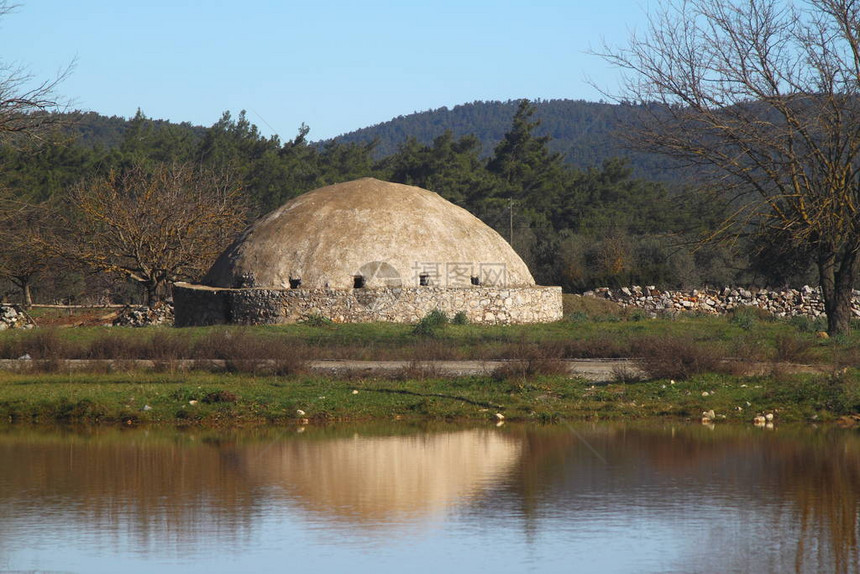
(763, 99)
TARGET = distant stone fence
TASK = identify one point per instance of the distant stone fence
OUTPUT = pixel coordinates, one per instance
(806, 301)
(14, 317)
(200, 305)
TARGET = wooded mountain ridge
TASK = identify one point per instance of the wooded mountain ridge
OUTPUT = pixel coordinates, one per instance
(585, 133)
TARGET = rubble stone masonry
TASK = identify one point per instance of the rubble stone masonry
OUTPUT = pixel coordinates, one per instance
(201, 305)
(806, 301)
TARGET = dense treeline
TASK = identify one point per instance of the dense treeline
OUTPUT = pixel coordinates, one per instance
(575, 227)
(585, 133)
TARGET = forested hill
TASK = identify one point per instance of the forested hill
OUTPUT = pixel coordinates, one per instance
(586, 133)
(93, 129)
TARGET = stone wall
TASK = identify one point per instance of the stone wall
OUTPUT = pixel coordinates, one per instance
(14, 317)
(200, 305)
(806, 301)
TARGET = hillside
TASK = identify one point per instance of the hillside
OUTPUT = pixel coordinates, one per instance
(586, 133)
(93, 129)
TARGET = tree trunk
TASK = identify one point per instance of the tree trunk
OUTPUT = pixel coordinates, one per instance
(27, 295)
(22, 282)
(837, 276)
(156, 291)
(151, 293)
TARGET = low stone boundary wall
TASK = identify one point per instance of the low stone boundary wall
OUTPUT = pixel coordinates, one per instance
(14, 317)
(201, 305)
(806, 301)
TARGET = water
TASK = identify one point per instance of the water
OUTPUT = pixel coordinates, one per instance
(595, 498)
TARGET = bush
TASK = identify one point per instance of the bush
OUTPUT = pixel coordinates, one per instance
(526, 360)
(460, 318)
(44, 344)
(741, 317)
(167, 345)
(577, 317)
(624, 373)
(637, 315)
(430, 323)
(245, 352)
(678, 358)
(793, 349)
(747, 316)
(317, 320)
(419, 371)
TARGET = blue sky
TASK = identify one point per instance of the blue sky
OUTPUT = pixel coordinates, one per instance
(335, 65)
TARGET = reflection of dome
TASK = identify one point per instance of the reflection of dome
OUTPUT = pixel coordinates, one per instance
(368, 479)
(325, 237)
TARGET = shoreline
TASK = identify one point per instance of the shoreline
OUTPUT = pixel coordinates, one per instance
(240, 399)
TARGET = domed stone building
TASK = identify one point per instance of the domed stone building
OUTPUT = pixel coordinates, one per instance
(367, 250)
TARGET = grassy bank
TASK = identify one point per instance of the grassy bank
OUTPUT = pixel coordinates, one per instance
(263, 377)
(240, 399)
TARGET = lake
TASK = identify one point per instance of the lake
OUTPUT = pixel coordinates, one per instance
(432, 498)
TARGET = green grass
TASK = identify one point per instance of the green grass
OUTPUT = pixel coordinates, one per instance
(207, 399)
(694, 348)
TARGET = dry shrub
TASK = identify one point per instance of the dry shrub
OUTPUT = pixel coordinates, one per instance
(245, 352)
(677, 358)
(793, 349)
(524, 360)
(749, 347)
(848, 356)
(113, 346)
(600, 347)
(164, 348)
(168, 345)
(624, 373)
(11, 347)
(294, 361)
(435, 350)
(738, 367)
(44, 345)
(419, 371)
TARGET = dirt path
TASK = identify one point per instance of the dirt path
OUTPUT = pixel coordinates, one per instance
(595, 370)
(590, 369)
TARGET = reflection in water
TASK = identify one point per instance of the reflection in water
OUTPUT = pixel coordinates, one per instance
(378, 480)
(635, 499)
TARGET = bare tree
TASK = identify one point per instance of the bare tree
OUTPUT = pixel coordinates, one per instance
(154, 226)
(26, 108)
(26, 105)
(23, 253)
(762, 98)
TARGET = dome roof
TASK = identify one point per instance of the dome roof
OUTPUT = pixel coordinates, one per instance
(368, 233)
